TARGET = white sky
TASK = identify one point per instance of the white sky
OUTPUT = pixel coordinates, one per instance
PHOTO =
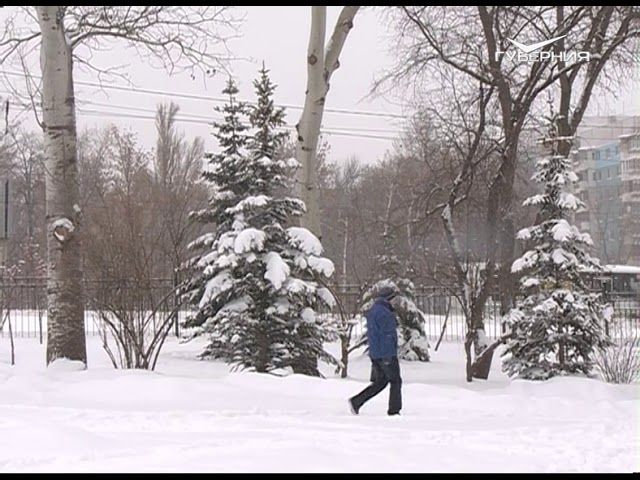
(278, 35)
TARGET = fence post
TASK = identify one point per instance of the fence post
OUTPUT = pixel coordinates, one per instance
(175, 303)
(605, 297)
(38, 306)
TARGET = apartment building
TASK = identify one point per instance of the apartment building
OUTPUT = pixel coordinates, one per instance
(606, 159)
(630, 196)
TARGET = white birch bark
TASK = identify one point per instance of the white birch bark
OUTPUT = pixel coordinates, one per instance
(321, 64)
(345, 251)
(65, 306)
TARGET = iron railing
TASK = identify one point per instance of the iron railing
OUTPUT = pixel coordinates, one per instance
(24, 300)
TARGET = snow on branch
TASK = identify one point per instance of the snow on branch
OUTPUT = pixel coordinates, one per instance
(277, 269)
(249, 239)
(306, 241)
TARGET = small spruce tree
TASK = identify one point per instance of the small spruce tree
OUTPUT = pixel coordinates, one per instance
(260, 295)
(558, 324)
(227, 178)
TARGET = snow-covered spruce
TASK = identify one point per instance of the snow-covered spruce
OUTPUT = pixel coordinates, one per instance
(558, 324)
(255, 280)
(226, 175)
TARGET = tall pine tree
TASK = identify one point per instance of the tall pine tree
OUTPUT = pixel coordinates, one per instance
(260, 294)
(559, 323)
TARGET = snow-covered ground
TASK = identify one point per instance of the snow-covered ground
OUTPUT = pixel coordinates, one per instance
(193, 415)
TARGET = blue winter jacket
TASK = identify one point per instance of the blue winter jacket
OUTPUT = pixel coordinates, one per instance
(382, 334)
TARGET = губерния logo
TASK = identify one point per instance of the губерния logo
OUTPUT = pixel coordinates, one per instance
(529, 53)
(535, 46)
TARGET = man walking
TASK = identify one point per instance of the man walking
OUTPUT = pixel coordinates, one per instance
(382, 336)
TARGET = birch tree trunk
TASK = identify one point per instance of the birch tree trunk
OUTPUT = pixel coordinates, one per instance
(65, 306)
(345, 251)
(320, 67)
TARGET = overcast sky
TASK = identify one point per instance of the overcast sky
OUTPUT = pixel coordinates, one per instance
(278, 35)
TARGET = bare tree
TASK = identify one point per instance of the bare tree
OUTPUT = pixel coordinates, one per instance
(433, 40)
(176, 167)
(28, 172)
(322, 62)
(8, 288)
(336, 188)
(611, 34)
(352, 206)
(470, 146)
(125, 253)
(175, 37)
(21, 164)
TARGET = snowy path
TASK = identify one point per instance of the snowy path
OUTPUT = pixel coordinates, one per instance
(195, 416)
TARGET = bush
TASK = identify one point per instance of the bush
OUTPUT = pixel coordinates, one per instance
(137, 317)
(620, 362)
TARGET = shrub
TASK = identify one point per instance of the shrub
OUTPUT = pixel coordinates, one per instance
(619, 362)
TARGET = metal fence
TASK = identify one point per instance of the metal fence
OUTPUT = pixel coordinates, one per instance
(24, 300)
(443, 311)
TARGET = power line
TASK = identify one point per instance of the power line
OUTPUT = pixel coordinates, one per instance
(193, 117)
(100, 113)
(210, 118)
(356, 132)
(290, 106)
(338, 131)
(604, 125)
(191, 96)
(203, 120)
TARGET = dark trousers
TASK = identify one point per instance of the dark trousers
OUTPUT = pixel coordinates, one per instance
(384, 371)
